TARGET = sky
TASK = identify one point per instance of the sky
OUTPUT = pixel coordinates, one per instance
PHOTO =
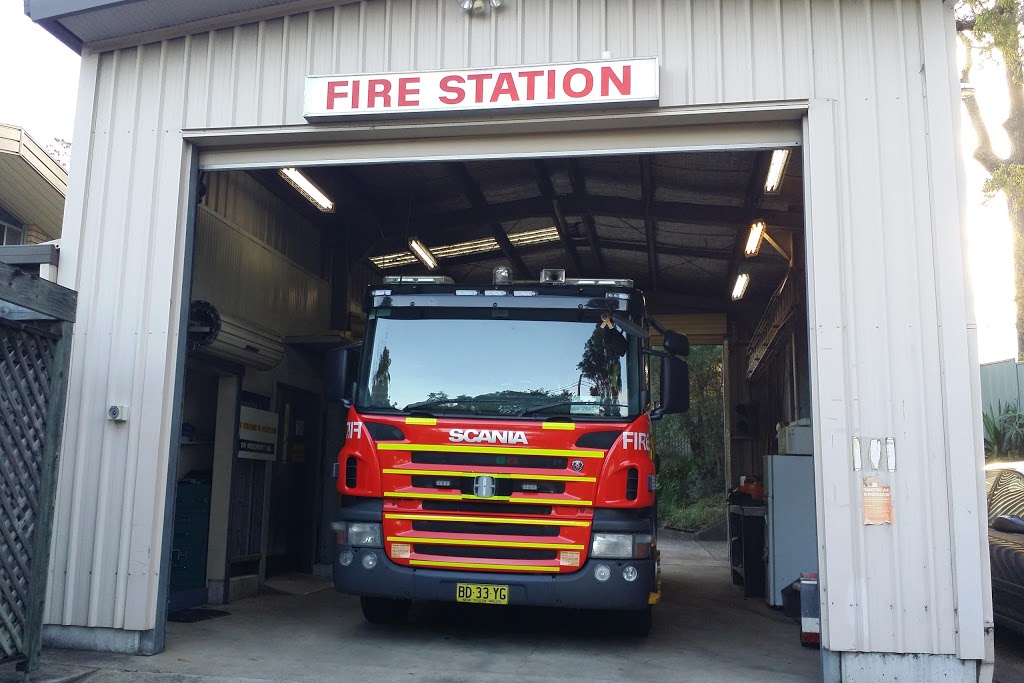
(40, 83)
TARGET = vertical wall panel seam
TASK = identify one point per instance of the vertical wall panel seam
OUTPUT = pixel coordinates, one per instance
(362, 37)
(388, 37)
(285, 34)
(521, 30)
(780, 53)
(493, 30)
(720, 62)
(336, 39)
(234, 74)
(414, 11)
(750, 43)
(631, 23)
(604, 24)
(208, 89)
(810, 48)
(883, 321)
(575, 5)
(691, 87)
(260, 66)
(439, 45)
(77, 200)
(90, 380)
(100, 526)
(138, 379)
(932, 579)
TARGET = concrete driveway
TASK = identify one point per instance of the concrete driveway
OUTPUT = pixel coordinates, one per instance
(704, 631)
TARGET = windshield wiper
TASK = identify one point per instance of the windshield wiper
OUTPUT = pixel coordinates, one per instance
(537, 409)
(442, 401)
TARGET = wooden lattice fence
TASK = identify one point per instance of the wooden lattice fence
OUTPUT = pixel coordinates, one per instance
(36, 319)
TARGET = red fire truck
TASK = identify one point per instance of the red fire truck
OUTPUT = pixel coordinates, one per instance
(498, 446)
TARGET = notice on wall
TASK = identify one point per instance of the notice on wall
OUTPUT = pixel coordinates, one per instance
(876, 501)
(572, 85)
(257, 434)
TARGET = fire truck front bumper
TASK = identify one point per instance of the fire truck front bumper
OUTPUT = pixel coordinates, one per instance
(380, 577)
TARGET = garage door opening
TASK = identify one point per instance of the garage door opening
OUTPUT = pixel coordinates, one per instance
(283, 259)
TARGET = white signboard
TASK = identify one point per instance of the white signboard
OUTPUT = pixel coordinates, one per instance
(604, 83)
(257, 434)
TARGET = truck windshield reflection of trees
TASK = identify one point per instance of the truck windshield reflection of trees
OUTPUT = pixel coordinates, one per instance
(591, 366)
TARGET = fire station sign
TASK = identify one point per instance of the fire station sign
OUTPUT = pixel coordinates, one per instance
(603, 83)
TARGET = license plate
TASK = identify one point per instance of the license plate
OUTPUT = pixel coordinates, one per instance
(481, 593)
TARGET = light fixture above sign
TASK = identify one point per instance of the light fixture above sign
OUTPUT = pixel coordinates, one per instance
(548, 86)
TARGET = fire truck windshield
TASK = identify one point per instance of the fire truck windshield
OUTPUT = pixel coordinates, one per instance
(491, 362)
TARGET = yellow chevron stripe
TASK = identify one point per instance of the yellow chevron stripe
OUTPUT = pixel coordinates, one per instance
(499, 499)
(429, 421)
(565, 426)
(488, 544)
(539, 477)
(483, 520)
(490, 450)
(480, 565)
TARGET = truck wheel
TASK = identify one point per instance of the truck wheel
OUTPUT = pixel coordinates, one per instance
(637, 622)
(384, 610)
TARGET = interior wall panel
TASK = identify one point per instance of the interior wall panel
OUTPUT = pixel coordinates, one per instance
(875, 69)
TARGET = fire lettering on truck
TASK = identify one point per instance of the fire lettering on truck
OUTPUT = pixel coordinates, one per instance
(486, 436)
(636, 441)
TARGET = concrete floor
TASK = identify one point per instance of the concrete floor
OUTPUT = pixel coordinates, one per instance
(704, 631)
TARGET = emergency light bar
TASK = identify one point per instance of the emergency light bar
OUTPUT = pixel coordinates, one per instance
(418, 280)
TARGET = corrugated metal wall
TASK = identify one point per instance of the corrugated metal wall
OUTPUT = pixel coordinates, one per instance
(889, 318)
(1001, 382)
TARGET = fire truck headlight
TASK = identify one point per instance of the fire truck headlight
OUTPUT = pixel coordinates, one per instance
(369, 560)
(364, 534)
(630, 573)
(346, 557)
(602, 572)
(612, 546)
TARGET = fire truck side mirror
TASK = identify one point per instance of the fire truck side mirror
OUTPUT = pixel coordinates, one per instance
(676, 343)
(675, 387)
(340, 368)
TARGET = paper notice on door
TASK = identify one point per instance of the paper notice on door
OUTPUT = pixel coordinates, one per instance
(876, 500)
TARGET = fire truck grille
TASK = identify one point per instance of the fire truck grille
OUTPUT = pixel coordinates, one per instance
(489, 460)
(496, 508)
(485, 528)
(503, 487)
(484, 553)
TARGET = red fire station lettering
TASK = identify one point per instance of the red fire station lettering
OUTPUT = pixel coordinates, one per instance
(548, 86)
(505, 86)
(479, 80)
(531, 83)
(455, 94)
(335, 92)
(380, 88)
(408, 95)
(588, 82)
(623, 85)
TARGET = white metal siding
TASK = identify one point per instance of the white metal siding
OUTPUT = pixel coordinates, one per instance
(245, 278)
(890, 321)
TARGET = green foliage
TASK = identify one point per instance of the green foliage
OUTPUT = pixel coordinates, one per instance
(691, 447)
(1004, 432)
(1009, 179)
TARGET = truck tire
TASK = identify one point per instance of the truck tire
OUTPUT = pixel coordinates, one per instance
(384, 610)
(637, 623)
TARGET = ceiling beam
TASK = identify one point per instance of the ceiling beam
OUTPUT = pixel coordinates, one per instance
(579, 188)
(650, 225)
(547, 190)
(733, 217)
(476, 198)
(755, 190)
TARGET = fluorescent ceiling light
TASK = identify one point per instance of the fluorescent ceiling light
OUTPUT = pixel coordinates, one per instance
(423, 254)
(776, 169)
(307, 189)
(740, 288)
(755, 238)
(480, 246)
